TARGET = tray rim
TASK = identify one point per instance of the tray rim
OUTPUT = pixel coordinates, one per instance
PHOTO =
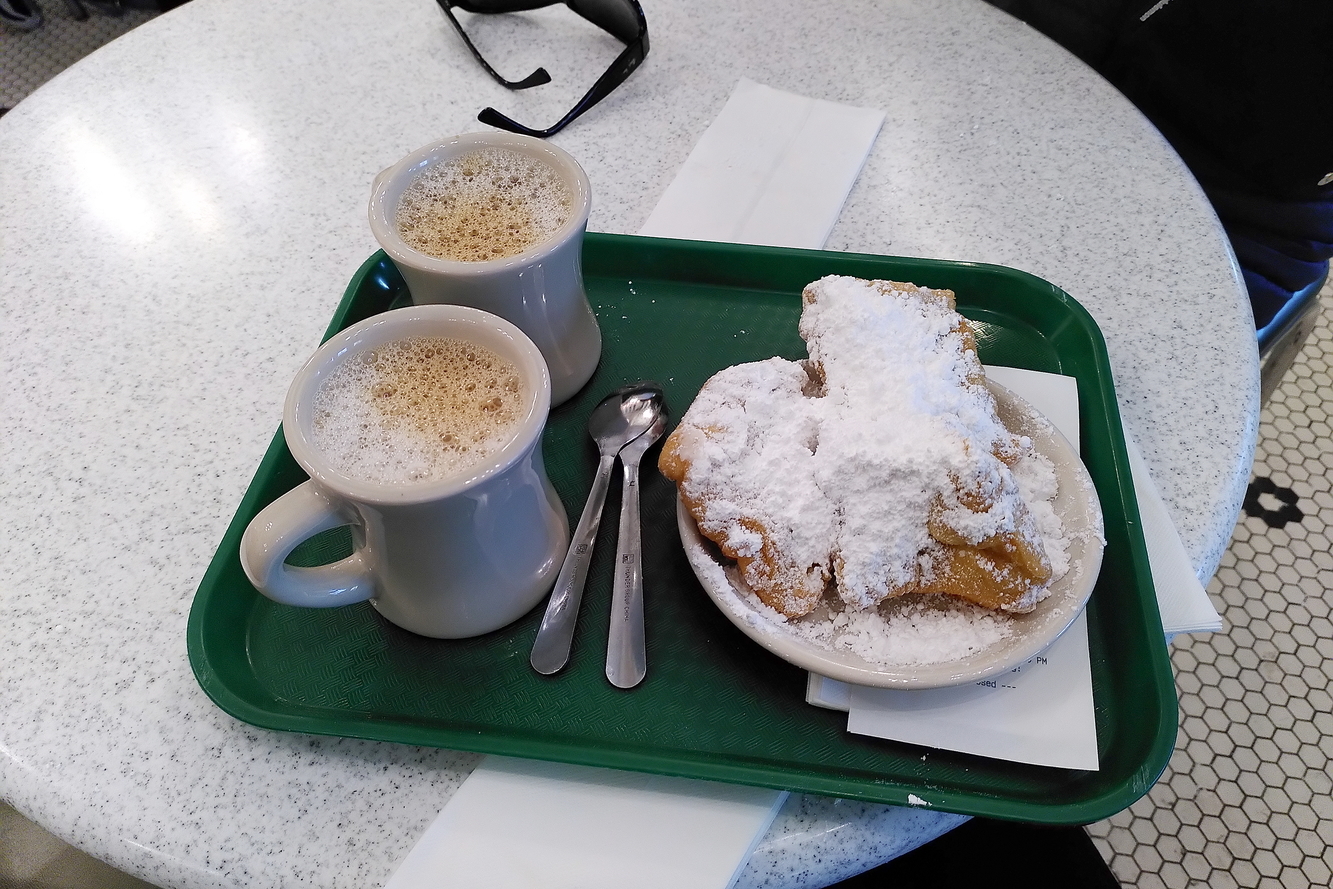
(893, 789)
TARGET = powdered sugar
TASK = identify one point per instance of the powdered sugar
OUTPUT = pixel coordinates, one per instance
(845, 461)
(853, 464)
(907, 632)
(1038, 487)
(918, 630)
(764, 466)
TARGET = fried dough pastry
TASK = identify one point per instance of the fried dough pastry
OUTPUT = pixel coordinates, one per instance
(742, 458)
(876, 469)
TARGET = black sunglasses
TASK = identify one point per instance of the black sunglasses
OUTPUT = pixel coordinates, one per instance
(622, 19)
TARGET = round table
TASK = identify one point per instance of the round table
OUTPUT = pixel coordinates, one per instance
(181, 213)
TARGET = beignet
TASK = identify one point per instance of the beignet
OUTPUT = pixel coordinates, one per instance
(874, 469)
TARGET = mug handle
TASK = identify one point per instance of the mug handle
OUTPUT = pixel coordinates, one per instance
(283, 525)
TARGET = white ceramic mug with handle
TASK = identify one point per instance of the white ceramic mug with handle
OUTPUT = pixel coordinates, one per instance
(540, 288)
(448, 555)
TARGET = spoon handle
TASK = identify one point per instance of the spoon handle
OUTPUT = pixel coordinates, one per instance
(551, 650)
(626, 661)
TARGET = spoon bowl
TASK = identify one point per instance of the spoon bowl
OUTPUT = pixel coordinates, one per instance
(624, 415)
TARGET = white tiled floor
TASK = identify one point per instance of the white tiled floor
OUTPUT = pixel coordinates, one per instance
(30, 58)
(1245, 801)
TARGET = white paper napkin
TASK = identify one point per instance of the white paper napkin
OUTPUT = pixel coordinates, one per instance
(1038, 713)
(774, 168)
(520, 824)
(1181, 599)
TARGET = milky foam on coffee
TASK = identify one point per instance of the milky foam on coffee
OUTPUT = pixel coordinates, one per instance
(483, 205)
(418, 409)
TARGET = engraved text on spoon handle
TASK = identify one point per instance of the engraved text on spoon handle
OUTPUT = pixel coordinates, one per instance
(551, 650)
(626, 660)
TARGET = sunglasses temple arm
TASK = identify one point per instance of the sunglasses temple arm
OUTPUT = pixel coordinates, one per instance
(536, 78)
(619, 71)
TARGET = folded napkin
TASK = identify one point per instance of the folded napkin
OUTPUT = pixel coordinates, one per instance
(774, 168)
(1181, 598)
(518, 824)
(1040, 712)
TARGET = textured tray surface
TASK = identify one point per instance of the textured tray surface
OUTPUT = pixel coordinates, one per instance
(714, 705)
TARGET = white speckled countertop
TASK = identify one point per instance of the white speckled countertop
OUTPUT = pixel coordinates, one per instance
(179, 215)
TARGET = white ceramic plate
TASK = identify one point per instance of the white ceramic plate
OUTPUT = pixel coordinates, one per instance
(1076, 504)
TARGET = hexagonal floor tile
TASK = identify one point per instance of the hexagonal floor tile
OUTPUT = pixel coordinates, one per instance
(1244, 801)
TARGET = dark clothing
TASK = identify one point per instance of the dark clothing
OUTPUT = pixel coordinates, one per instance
(1243, 90)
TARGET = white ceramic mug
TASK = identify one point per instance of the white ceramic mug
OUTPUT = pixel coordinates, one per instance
(448, 558)
(540, 290)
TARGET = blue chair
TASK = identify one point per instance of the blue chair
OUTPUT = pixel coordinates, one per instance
(1281, 339)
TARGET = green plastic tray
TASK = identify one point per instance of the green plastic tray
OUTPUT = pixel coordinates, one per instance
(714, 704)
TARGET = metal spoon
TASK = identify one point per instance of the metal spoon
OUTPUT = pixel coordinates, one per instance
(626, 660)
(619, 419)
